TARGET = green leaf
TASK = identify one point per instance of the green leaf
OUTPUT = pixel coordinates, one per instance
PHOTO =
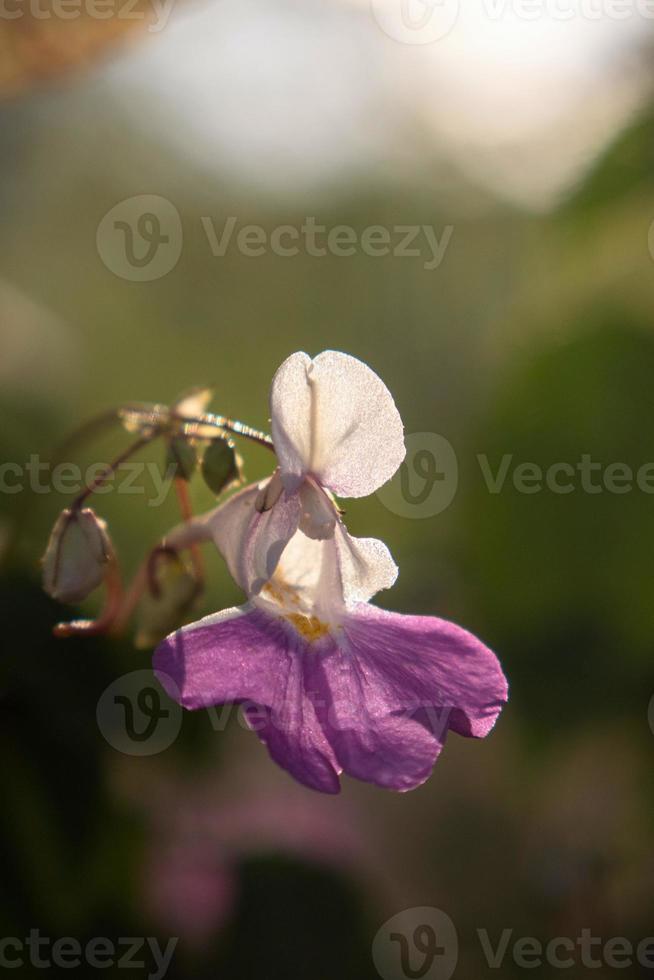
(220, 465)
(181, 458)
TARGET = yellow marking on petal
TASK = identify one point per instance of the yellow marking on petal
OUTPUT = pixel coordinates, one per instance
(276, 594)
(281, 592)
(310, 627)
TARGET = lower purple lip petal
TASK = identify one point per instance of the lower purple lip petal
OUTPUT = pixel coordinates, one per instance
(375, 700)
(394, 689)
(254, 659)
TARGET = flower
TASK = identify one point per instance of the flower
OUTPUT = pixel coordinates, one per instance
(334, 422)
(329, 682)
(336, 430)
(76, 557)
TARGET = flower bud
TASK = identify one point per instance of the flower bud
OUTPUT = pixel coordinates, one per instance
(181, 458)
(75, 560)
(164, 612)
(192, 403)
(221, 465)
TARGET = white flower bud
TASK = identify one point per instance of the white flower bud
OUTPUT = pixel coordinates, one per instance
(192, 403)
(75, 560)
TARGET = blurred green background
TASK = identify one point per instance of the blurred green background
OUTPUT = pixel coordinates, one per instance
(532, 338)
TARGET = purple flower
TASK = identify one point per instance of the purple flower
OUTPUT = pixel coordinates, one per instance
(329, 682)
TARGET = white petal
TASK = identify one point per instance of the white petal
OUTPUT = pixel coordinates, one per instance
(252, 542)
(335, 419)
(319, 513)
(306, 579)
(366, 566)
(322, 577)
(290, 411)
(269, 493)
(196, 531)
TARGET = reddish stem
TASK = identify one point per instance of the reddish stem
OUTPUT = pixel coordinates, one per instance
(184, 498)
(106, 619)
(111, 468)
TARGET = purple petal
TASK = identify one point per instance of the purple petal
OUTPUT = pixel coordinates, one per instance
(245, 655)
(291, 731)
(391, 689)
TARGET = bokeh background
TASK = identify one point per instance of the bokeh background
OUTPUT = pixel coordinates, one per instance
(533, 139)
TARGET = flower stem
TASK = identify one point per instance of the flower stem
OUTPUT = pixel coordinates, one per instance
(145, 578)
(184, 498)
(232, 425)
(110, 468)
